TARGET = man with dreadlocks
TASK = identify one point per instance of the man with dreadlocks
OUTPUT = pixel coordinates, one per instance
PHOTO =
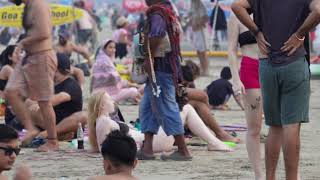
(159, 106)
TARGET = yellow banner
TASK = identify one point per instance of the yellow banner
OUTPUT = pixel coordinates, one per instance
(11, 16)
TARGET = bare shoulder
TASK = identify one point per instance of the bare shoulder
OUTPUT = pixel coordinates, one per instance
(6, 72)
(7, 68)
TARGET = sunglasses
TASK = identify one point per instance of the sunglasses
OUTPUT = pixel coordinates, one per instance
(10, 151)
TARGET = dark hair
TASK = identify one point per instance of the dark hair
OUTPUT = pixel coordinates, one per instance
(119, 27)
(21, 37)
(119, 148)
(4, 57)
(226, 73)
(190, 71)
(108, 42)
(7, 133)
(80, 4)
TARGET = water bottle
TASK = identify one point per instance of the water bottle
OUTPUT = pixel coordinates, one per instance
(80, 137)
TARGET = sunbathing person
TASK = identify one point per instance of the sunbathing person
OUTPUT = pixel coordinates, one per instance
(199, 100)
(119, 153)
(100, 124)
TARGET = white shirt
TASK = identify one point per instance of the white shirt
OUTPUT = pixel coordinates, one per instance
(85, 22)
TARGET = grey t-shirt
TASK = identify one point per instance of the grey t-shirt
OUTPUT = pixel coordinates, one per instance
(278, 20)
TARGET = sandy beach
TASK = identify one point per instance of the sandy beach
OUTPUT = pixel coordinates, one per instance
(69, 163)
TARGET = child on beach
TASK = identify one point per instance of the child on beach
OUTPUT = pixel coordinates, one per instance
(220, 91)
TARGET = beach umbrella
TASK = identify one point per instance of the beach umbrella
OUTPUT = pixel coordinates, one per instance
(11, 16)
(133, 6)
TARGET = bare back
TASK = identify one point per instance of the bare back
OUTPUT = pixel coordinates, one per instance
(67, 49)
(38, 24)
(235, 29)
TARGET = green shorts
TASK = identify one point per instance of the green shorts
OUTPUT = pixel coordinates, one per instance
(285, 92)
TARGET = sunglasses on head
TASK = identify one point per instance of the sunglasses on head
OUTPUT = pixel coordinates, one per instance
(9, 151)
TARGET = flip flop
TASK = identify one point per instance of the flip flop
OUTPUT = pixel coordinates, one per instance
(142, 156)
(175, 156)
(35, 143)
(230, 144)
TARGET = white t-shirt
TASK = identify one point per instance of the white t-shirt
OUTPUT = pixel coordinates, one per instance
(85, 22)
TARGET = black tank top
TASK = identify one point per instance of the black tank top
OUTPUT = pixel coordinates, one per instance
(246, 38)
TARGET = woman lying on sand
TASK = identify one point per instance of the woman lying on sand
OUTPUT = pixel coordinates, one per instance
(100, 125)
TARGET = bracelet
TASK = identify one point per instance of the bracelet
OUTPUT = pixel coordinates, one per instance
(300, 39)
(255, 32)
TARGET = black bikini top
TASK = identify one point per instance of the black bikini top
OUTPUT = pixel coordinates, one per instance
(246, 38)
(3, 84)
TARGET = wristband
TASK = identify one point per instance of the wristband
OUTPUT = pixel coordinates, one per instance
(300, 39)
(255, 32)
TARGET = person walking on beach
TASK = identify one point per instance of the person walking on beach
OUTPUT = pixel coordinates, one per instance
(199, 19)
(34, 75)
(163, 110)
(281, 28)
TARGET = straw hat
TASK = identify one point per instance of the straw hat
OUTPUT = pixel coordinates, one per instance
(121, 21)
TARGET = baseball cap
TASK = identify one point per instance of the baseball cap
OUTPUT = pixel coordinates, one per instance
(63, 62)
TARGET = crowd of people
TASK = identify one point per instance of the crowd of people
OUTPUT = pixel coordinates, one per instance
(44, 90)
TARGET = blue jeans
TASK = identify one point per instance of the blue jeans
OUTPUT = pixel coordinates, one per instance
(161, 111)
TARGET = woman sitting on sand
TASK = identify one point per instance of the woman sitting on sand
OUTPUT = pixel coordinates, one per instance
(199, 100)
(8, 61)
(100, 124)
(105, 76)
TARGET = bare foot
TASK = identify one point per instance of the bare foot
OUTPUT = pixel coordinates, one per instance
(66, 137)
(221, 147)
(49, 146)
(205, 74)
(29, 137)
(137, 99)
(228, 138)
